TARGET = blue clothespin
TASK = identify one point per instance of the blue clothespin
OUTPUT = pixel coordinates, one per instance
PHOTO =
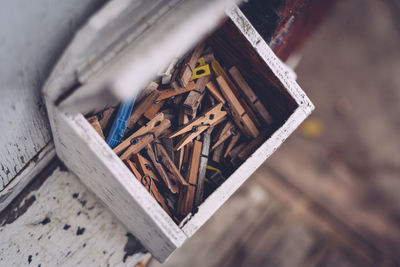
(119, 125)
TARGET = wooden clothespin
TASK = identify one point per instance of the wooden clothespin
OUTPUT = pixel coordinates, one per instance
(146, 91)
(235, 152)
(93, 120)
(219, 71)
(226, 132)
(153, 110)
(169, 164)
(182, 120)
(239, 114)
(232, 144)
(166, 75)
(168, 144)
(217, 153)
(212, 87)
(252, 146)
(147, 181)
(186, 197)
(140, 141)
(171, 184)
(189, 64)
(104, 117)
(141, 108)
(202, 170)
(143, 130)
(169, 93)
(198, 125)
(194, 98)
(216, 176)
(201, 71)
(145, 166)
(250, 95)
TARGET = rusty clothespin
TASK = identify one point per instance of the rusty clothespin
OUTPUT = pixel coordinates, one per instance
(147, 181)
(157, 162)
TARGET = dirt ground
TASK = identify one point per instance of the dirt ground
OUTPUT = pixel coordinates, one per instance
(330, 196)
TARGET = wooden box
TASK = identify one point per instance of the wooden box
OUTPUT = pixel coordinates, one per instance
(114, 56)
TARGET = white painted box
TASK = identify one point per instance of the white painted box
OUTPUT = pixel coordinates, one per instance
(113, 57)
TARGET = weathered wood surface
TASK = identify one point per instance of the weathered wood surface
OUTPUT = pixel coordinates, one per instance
(57, 221)
(33, 35)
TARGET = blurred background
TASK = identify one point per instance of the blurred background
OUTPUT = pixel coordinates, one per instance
(330, 196)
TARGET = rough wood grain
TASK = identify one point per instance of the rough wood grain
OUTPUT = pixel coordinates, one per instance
(57, 206)
(26, 131)
(123, 194)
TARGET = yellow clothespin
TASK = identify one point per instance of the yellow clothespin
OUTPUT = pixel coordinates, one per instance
(201, 61)
(201, 71)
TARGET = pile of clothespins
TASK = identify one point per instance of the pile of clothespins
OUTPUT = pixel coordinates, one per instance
(188, 131)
